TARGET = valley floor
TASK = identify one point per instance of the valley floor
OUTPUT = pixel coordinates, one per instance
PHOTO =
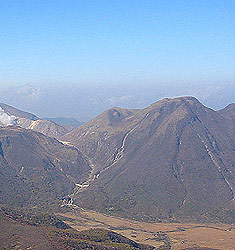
(174, 236)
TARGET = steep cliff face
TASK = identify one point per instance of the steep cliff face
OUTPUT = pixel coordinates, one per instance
(172, 160)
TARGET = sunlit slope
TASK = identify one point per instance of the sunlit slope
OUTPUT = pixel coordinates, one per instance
(171, 161)
(15, 117)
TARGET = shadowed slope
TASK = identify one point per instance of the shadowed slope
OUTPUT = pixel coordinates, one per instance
(36, 169)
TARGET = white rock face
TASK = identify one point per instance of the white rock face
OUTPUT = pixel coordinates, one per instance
(6, 119)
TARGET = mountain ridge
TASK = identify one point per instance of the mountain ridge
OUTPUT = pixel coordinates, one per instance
(36, 169)
(228, 111)
(166, 150)
(71, 122)
(15, 117)
(17, 112)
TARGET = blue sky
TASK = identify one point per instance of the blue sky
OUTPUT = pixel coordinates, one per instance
(141, 49)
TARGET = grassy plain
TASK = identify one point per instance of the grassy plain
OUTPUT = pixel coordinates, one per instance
(174, 236)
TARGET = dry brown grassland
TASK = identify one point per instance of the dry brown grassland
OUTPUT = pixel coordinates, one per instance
(178, 235)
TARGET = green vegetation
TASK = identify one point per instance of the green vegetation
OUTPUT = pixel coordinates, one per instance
(57, 233)
(33, 218)
(95, 239)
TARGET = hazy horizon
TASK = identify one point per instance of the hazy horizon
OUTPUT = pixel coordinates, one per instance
(78, 58)
(87, 102)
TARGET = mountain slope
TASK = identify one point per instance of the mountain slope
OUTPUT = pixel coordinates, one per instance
(71, 122)
(12, 116)
(100, 137)
(18, 113)
(171, 161)
(48, 128)
(228, 111)
(36, 169)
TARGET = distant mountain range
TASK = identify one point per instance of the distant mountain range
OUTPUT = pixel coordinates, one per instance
(174, 160)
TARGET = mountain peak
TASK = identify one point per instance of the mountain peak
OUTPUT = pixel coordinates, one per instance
(162, 155)
(228, 111)
(185, 99)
